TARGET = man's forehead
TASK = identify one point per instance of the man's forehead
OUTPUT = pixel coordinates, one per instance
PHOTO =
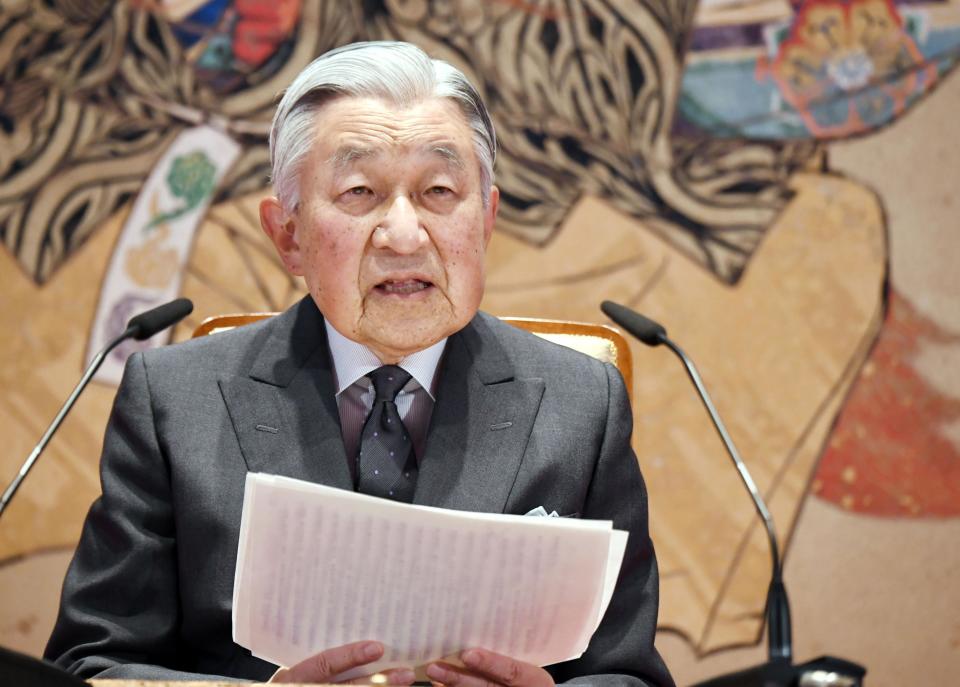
(357, 129)
(349, 153)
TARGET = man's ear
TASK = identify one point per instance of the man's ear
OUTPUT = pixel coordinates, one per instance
(490, 216)
(281, 228)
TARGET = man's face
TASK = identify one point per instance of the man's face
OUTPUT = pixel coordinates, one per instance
(391, 230)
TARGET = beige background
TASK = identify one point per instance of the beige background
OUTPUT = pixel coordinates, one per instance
(884, 592)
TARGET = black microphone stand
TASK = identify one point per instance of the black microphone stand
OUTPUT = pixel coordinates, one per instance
(140, 327)
(779, 639)
(55, 425)
(779, 670)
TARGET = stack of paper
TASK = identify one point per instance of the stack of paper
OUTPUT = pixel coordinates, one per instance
(318, 567)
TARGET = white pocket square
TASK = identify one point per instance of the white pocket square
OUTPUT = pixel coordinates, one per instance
(541, 512)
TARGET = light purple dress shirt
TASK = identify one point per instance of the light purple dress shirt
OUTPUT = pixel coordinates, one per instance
(352, 362)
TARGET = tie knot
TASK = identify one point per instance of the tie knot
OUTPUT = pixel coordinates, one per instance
(387, 382)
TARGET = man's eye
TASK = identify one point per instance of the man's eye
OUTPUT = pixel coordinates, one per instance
(439, 191)
(359, 191)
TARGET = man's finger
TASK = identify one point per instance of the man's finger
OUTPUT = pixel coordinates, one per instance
(493, 668)
(482, 668)
(328, 664)
(394, 676)
(451, 676)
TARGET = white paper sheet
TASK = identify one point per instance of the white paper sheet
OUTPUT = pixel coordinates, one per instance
(318, 567)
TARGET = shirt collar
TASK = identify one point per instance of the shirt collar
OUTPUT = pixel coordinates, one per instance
(352, 361)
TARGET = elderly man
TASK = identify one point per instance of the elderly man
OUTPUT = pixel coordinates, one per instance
(383, 169)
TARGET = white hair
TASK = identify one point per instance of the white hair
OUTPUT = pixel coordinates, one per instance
(390, 70)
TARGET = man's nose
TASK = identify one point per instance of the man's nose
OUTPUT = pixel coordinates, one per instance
(400, 229)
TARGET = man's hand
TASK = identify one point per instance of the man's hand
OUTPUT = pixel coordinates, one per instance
(323, 667)
(484, 668)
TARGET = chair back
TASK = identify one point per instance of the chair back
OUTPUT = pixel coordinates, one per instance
(599, 341)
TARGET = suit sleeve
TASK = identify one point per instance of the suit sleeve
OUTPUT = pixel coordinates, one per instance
(622, 651)
(119, 610)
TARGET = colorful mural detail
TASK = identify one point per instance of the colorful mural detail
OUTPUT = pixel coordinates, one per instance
(826, 70)
(833, 69)
(94, 93)
(889, 454)
(148, 262)
(227, 41)
(191, 179)
(599, 124)
(847, 67)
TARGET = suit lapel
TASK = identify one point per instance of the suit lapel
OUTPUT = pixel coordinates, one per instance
(286, 420)
(481, 422)
(285, 413)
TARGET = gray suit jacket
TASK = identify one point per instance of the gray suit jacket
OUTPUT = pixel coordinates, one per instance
(149, 591)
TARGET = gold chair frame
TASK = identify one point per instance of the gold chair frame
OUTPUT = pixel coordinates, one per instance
(596, 340)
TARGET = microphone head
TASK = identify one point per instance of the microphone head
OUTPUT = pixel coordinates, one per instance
(148, 323)
(645, 329)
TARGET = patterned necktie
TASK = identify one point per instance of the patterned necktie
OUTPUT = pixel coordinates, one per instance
(387, 466)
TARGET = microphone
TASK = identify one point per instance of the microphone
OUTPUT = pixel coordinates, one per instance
(778, 608)
(140, 327)
(155, 320)
(643, 328)
(779, 630)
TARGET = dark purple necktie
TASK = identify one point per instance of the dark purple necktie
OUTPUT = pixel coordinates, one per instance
(387, 466)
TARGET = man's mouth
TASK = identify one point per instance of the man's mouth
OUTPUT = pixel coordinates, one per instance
(403, 287)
